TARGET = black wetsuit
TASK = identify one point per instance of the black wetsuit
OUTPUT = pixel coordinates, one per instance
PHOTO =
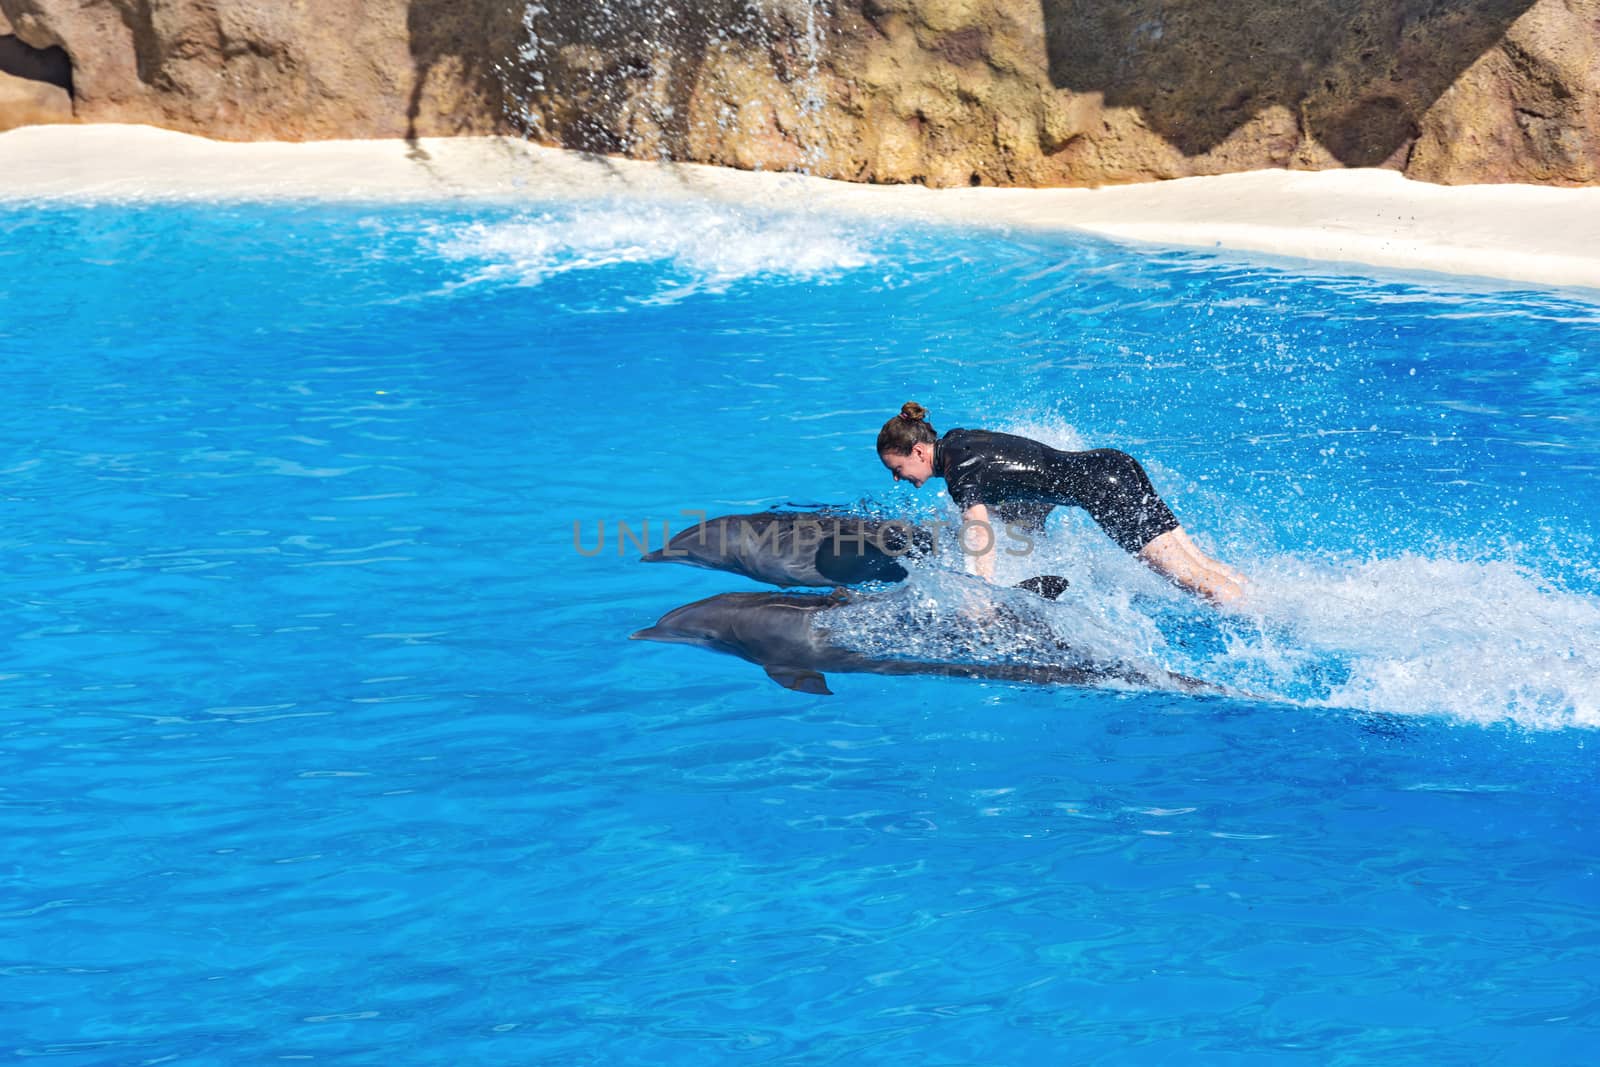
(1020, 480)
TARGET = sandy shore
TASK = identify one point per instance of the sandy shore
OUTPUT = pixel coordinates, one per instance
(1517, 232)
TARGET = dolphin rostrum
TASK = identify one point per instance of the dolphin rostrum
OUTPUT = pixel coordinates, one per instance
(785, 635)
(788, 548)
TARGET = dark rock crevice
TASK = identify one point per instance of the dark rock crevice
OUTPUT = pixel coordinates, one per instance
(51, 66)
(137, 16)
(36, 85)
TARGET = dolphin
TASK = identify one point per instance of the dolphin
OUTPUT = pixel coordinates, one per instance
(786, 635)
(804, 548)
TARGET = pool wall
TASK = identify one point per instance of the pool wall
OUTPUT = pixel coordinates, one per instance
(1366, 217)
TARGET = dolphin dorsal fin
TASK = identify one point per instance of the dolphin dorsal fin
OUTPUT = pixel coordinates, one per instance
(800, 680)
(1049, 586)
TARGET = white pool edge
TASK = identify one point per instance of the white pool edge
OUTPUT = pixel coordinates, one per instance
(1543, 235)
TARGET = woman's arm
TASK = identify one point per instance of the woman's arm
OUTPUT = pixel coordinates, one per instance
(978, 541)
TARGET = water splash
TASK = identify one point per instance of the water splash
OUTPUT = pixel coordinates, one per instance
(1457, 634)
(1481, 641)
(813, 41)
(941, 615)
(634, 75)
(1476, 642)
(708, 247)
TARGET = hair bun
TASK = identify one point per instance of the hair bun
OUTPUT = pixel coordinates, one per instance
(906, 430)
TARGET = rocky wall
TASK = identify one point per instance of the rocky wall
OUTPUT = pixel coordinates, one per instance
(943, 92)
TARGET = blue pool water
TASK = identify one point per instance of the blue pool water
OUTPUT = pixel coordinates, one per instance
(321, 742)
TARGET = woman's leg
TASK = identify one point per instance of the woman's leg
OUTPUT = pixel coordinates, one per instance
(1180, 559)
(1114, 489)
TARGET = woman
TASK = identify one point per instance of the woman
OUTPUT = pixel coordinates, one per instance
(999, 477)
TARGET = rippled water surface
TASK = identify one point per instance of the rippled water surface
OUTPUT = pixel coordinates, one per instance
(320, 739)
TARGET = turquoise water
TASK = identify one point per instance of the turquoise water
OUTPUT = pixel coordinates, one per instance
(321, 742)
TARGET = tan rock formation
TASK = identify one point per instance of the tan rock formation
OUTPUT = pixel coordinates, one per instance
(1527, 111)
(944, 92)
(25, 102)
(34, 84)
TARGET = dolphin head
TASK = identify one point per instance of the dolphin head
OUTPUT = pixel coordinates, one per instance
(702, 545)
(753, 626)
(708, 623)
(770, 629)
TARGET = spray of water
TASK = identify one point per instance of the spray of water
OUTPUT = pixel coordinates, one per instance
(629, 72)
(1461, 637)
(704, 247)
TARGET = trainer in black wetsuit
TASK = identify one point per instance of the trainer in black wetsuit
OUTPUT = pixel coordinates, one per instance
(1002, 476)
(1020, 480)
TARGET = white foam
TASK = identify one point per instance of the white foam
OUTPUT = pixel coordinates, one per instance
(1482, 641)
(1479, 641)
(706, 246)
(1471, 640)
(942, 615)
(1463, 637)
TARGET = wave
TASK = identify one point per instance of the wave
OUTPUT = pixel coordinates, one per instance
(1452, 632)
(706, 247)
(1477, 642)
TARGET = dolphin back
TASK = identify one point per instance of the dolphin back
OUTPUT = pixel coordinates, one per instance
(797, 548)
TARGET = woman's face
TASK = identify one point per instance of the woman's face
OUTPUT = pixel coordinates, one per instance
(916, 467)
